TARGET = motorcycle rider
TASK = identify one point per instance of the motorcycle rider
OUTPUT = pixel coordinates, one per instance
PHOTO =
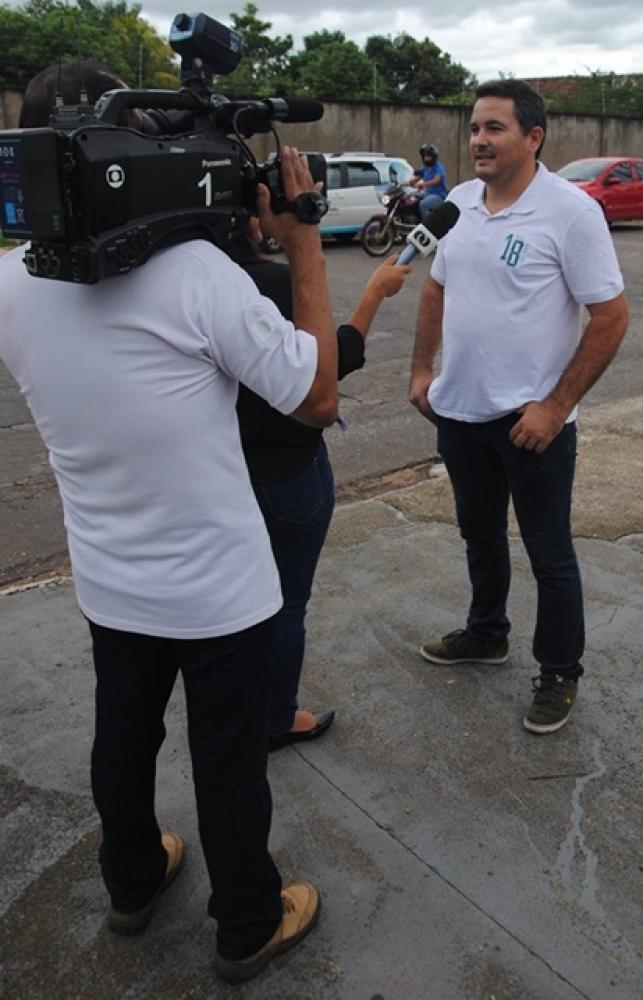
(430, 179)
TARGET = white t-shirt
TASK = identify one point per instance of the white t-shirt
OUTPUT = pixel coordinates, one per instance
(133, 383)
(514, 286)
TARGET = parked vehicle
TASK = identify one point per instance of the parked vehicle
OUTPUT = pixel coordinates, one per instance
(355, 182)
(402, 204)
(615, 182)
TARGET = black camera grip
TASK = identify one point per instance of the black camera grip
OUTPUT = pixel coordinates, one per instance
(309, 207)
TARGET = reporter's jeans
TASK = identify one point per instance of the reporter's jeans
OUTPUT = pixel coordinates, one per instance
(485, 468)
(297, 513)
(227, 682)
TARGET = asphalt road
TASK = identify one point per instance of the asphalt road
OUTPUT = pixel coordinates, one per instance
(385, 434)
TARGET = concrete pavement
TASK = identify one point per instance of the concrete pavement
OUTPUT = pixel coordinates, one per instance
(459, 857)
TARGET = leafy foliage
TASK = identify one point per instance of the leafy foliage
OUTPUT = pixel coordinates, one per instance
(265, 64)
(329, 66)
(47, 31)
(416, 71)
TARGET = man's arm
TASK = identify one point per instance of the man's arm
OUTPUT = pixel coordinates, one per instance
(434, 181)
(428, 337)
(310, 298)
(542, 421)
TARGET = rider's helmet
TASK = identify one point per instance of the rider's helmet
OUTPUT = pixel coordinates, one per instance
(428, 149)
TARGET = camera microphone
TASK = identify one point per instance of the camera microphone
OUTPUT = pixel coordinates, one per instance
(424, 238)
(257, 116)
(294, 109)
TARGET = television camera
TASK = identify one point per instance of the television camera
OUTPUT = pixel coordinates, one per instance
(103, 188)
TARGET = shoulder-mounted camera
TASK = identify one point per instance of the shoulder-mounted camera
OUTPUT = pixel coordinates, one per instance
(105, 186)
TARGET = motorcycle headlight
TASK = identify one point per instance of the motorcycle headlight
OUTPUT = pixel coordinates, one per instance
(385, 199)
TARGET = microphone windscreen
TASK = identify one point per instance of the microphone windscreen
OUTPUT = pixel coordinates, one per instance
(303, 109)
(442, 219)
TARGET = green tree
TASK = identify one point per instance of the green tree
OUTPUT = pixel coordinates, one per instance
(264, 66)
(413, 70)
(332, 67)
(47, 31)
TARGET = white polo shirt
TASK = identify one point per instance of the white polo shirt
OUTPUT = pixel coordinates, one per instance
(514, 286)
(133, 385)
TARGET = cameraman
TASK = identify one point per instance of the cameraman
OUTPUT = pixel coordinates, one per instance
(132, 383)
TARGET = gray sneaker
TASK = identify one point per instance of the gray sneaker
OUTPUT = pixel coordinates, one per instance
(462, 647)
(554, 698)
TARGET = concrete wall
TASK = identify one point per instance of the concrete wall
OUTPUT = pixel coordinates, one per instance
(401, 129)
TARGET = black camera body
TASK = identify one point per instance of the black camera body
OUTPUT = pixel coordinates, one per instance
(96, 196)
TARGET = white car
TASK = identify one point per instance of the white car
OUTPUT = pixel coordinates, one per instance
(355, 181)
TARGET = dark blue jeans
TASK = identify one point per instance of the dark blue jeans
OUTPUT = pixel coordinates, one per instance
(485, 469)
(227, 683)
(297, 513)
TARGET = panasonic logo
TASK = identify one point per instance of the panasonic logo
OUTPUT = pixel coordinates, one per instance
(216, 163)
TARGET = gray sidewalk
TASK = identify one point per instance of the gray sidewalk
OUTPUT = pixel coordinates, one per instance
(459, 857)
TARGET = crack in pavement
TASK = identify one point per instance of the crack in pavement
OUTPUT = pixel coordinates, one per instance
(442, 877)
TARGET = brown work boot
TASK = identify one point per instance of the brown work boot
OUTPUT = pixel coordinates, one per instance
(301, 905)
(134, 923)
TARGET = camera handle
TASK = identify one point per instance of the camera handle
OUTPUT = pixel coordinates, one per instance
(111, 104)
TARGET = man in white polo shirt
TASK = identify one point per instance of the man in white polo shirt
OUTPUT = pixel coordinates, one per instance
(506, 298)
(133, 385)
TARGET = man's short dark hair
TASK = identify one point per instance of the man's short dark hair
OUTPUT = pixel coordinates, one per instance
(67, 79)
(528, 104)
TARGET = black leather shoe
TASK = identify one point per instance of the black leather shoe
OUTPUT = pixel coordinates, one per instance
(324, 722)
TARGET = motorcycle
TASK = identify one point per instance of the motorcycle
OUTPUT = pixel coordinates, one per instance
(402, 215)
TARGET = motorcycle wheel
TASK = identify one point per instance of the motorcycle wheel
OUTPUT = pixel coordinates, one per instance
(374, 240)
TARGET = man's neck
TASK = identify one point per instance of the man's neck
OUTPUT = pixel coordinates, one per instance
(497, 197)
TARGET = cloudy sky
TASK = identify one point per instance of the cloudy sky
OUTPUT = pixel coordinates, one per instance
(525, 37)
(531, 38)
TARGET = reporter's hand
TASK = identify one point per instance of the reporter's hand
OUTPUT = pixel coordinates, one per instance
(285, 227)
(539, 424)
(418, 394)
(387, 279)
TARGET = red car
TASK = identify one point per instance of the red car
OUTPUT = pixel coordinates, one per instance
(616, 182)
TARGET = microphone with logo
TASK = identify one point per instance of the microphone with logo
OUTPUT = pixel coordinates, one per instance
(425, 237)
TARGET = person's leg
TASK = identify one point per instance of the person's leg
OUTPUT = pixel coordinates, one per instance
(134, 678)
(428, 203)
(481, 497)
(227, 683)
(297, 513)
(541, 486)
